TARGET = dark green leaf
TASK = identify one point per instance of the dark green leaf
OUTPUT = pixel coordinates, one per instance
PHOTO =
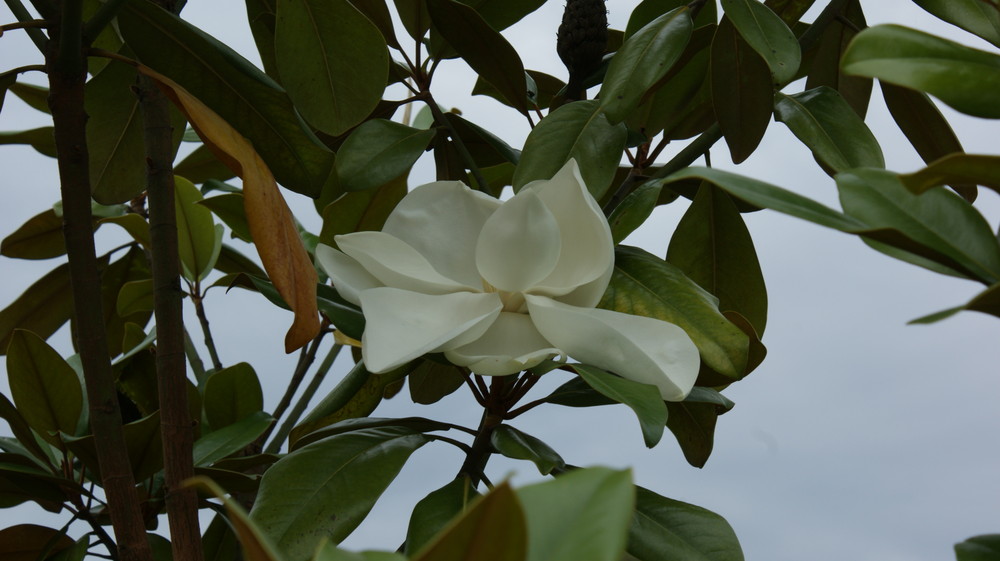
(416, 424)
(520, 446)
(485, 148)
(21, 430)
(789, 10)
(493, 528)
(261, 17)
(643, 60)
(36, 97)
(975, 16)
(198, 241)
(229, 208)
(142, 441)
(824, 69)
(318, 45)
(345, 316)
(578, 393)
(28, 542)
(667, 529)
(433, 513)
(822, 120)
(201, 165)
(742, 91)
(135, 297)
(413, 14)
(482, 47)
(643, 399)
(430, 381)
(633, 211)
(576, 130)
(44, 387)
(230, 439)
(377, 152)
(766, 34)
(583, 514)
(232, 87)
(42, 309)
(326, 489)
(41, 237)
(256, 545)
(645, 285)
(338, 398)
(979, 548)
(956, 169)
(964, 78)
(40, 139)
(713, 247)
(232, 394)
(693, 424)
(135, 225)
(233, 262)
(546, 88)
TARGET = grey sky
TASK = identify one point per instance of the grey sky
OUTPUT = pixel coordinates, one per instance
(858, 438)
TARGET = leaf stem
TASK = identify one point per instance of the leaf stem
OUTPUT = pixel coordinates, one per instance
(197, 298)
(23, 15)
(306, 358)
(300, 406)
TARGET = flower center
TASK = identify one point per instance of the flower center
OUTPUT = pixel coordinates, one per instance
(512, 301)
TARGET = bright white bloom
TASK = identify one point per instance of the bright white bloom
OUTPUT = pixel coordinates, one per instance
(500, 287)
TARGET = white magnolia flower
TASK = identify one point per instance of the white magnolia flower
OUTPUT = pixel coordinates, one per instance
(500, 287)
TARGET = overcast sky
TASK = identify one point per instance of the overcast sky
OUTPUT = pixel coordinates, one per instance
(858, 438)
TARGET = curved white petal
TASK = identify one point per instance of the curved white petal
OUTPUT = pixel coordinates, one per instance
(587, 255)
(510, 345)
(397, 264)
(348, 276)
(638, 348)
(519, 244)
(442, 221)
(401, 325)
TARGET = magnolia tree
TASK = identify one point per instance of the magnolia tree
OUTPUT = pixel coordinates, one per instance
(507, 269)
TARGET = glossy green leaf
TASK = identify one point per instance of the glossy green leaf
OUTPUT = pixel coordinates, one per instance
(975, 16)
(789, 10)
(229, 208)
(318, 44)
(329, 552)
(646, 285)
(378, 13)
(643, 399)
(824, 68)
(742, 91)
(937, 219)
(576, 130)
(416, 424)
(19, 427)
(232, 394)
(201, 165)
(501, 15)
(233, 262)
(413, 14)
(583, 514)
(377, 152)
(28, 542)
(115, 135)
(633, 211)
(41, 237)
(42, 309)
(230, 439)
(822, 120)
(337, 399)
(131, 267)
(667, 529)
(643, 60)
(142, 442)
(482, 47)
(693, 420)
(196, 233)
(436, 510)
(713, 247)
(953, 169)
(36, 97)
(135, 225)
(430, 381)
(766, 34)
(345, 316)
(135, 297)
(486, 148)
(255, 543)
(40, 139)
(648, 10)
(578, 393)
(493, 528)
(44, 387)
(515, 444)
(546, 88)
(964, 78)
(325, 489)
(925, 127)
(979, 548)
(232, 87)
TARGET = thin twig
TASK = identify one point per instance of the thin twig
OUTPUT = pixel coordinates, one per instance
(303, 402)
(23, 15)
(197, 298)
(306, 358)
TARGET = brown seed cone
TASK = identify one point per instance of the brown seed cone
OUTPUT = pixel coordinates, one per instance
(582, 40)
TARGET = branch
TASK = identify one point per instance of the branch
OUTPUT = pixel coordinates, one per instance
(23, 15)
(303, 402)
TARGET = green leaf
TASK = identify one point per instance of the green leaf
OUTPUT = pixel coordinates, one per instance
(515, 444)
(229, 208)
(326, 489)
(201, 165)
(966, 79)
(633, 211)
(576, 130)
(583, 514)
(766, 34)
(938, 220)
(40, 139)
(643, 60)
(979, 548)
(233, 262)
(971, 169)
(28, 542)
(135, 225)
(378, 13)
(329, 552)
(416, 424)
(232, 87)
(713, 247)
(318, 45)
(643, 399)
(44, 387)
(345, 316)
(135, 297)
(196, 232)
(546, 88)
(115, 135)
(824, 68)
(578, 393)
(975, 16)
(667, 529)
(230, 439)
(232, 394)
(256, 545)
(36, 97)
(21, 430)
(643, 284)
(436, 510)
(41, 237)
(493, 528)
(430, 381)
(42, 309)
(485, 148)
(742, 91)
(377, 152)
(142, 442)
(482, 47)
(824, 122)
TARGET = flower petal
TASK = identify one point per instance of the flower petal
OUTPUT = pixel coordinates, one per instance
(397, 264)
(519, 244)
(442, 221)
(587, 257)
(510, 345)
(402, 325)
(638, 348)
(348, 276)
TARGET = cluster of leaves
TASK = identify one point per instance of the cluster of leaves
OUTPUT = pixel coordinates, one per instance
(314, 121)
